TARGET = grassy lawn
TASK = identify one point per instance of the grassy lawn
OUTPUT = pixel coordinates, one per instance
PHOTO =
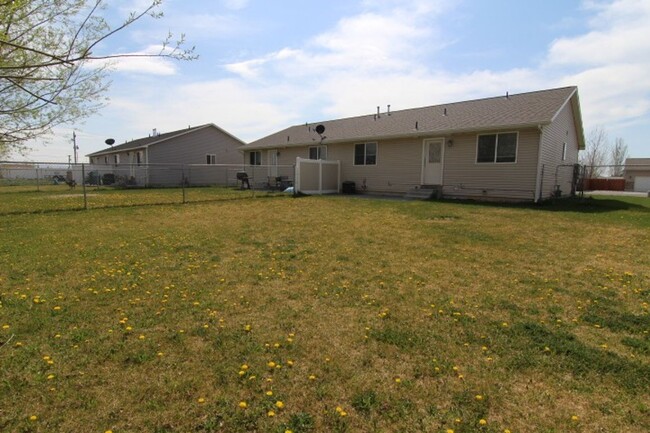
(327, 314)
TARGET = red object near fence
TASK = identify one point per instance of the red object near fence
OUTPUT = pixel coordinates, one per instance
(605, 184)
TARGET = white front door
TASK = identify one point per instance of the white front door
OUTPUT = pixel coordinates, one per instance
(432, 158)
(273, 162)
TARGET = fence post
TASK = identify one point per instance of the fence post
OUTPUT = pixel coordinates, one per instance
(38, 179)
(83, 185)
(183, 183)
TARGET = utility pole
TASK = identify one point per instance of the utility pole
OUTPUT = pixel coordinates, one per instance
(74, 146)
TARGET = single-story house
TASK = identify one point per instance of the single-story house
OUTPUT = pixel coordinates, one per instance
(513, 147)
(159, 159)
(637, 174)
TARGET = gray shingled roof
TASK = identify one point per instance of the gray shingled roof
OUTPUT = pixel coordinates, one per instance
(520, 110)
(148, 141)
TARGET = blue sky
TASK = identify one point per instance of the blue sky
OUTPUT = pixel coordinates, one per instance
(265, 65)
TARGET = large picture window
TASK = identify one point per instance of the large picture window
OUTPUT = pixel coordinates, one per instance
(497, 147)
(365, 154)
(255, 158)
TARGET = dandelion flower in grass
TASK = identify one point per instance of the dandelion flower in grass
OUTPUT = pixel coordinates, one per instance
(201, 400)
(507, 431)
(575, 418)
(243, 404)
(247, 328)
(478, 397)
(6, 326)
(312, 377)
(289, 363)
(270, 364)
(270, 414)
(269, 393)
(482, 422)
(242, 372)
(398, 380)
(50, 376)
(33, 418)
(279, 404)
(141, 337)
(288, 431)
(449, 430)
(244, 367)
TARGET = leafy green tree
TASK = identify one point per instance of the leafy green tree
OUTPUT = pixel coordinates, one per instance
(51, 67)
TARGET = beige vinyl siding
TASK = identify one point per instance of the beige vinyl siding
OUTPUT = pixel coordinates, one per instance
(192, 148)
(398, 168)
(556, 171)
(463, 177)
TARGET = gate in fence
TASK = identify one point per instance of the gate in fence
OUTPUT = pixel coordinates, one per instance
(317, 176)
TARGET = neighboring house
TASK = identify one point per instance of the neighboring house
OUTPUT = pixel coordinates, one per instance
(158, 159)
(513, 147)
(637, 174)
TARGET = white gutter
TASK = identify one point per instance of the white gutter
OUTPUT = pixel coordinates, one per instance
(538, 177)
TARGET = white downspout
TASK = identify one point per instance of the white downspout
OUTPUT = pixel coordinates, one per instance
(538, 177)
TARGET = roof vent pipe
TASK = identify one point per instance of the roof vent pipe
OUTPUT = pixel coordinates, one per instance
(507, 95)
(388, 112)
(445, 112)
(378, 114)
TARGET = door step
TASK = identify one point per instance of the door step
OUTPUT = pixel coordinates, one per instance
(424, 192)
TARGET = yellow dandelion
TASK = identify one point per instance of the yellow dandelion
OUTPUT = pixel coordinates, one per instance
(269, 393)
(242, 372)
(33, 418)
(141, 337)
(50, 376)
(289, 363)
(312, 377)
(478, 397)
(449, 430)
(575, 418)
(243, 404)
(279, 404)
(247, 328)
(398, 380)
(271, 364)
(244, 367)
(343, 413)
(270, 414)
(201, 400)
(482, 422)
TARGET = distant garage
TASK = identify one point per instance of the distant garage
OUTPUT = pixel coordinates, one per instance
(642, 183)
(637, 174)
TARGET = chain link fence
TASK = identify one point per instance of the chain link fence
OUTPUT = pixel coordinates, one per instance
(27, 187)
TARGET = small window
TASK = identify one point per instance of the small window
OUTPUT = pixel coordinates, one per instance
(138, 157)
(365, 154)
(255, 158)
(318, 152)
(563, 151)
(211, 159)
(106, 160)
(497, 147)
(116, 159)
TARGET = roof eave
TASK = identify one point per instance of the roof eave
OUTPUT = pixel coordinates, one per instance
(414, 134)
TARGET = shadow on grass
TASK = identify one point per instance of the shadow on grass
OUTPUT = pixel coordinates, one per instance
(588, 205)
(570, 354)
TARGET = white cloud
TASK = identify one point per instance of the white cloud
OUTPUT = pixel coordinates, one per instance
(235, 4)
(143, 62)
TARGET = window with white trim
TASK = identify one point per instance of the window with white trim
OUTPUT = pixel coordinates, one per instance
(365, 154)
(318, 152)
(255, 158)
(211, 159)
(495, 148)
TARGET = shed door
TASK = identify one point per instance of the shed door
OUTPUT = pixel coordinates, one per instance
(642, 183)
(434, 150)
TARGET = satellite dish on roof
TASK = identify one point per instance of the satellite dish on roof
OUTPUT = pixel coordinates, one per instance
(110, 141)
(320, 129)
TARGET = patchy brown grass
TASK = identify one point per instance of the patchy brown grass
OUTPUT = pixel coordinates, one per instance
(381, 315)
